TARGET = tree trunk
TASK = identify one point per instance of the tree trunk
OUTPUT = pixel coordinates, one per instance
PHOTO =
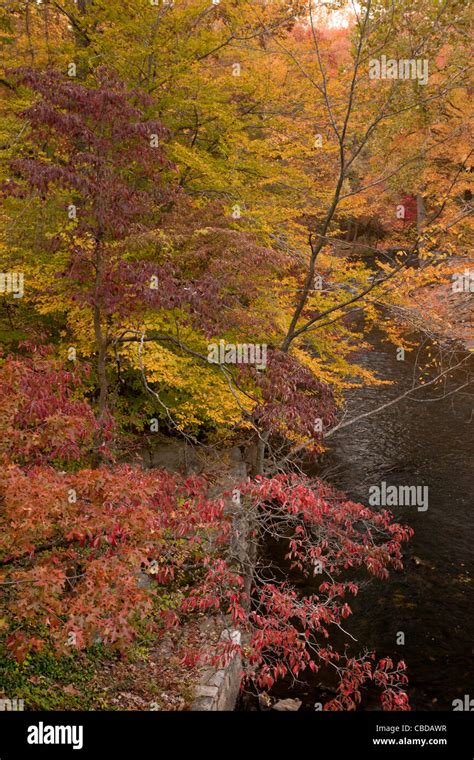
(101, 348)
(420, 213)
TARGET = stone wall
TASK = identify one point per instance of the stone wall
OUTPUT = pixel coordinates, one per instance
(218, 689)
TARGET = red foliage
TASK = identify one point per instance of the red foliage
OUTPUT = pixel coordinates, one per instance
(41, 419)
(290, 633)
(409, 203)
(293, 399)
(86, 555)
(98, 134)
(100, 150)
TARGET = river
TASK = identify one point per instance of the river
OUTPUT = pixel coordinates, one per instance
(417, 442)
(422, 443)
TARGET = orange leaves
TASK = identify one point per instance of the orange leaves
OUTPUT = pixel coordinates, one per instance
(91, 565)
(20, 645)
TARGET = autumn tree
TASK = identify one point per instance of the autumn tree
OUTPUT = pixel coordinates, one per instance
(110, 553)
(232, 174)
(139, 262)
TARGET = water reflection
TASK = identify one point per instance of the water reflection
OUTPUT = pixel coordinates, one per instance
(416, 443)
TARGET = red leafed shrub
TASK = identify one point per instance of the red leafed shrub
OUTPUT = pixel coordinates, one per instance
(77, 548)
(105, 554)
(328, 538)
(292, 398)
(84, 554)
(40, 417)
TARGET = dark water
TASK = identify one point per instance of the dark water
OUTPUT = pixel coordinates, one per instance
(412, 443)
(432, 601)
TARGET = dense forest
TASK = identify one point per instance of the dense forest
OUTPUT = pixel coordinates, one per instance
(208, 208)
